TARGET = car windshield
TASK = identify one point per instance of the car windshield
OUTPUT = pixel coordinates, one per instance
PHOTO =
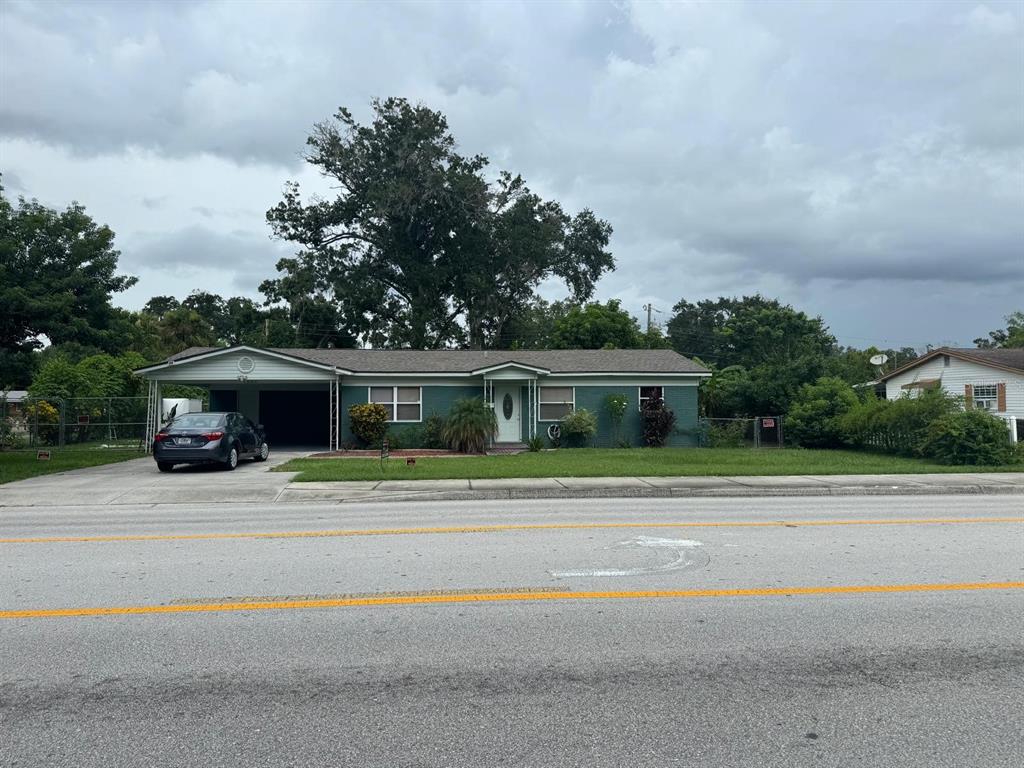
(198, 420)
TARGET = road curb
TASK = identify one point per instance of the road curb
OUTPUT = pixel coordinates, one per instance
(673, 493)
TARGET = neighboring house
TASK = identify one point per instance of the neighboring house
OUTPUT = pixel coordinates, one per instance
(991, 379)
(302, 396)
(12, 402)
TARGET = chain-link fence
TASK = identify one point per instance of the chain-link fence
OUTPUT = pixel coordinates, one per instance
(759, 432)
(33, 423)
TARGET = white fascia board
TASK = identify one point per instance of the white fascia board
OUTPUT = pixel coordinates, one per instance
(511, 364)
(248, 350)
(564, 375)
(633, 374)
(408, 375)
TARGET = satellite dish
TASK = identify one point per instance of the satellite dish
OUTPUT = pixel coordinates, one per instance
(879, 359)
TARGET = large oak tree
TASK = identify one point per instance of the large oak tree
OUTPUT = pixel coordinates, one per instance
(418, 248)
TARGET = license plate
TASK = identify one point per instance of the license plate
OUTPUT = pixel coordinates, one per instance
(183, 441)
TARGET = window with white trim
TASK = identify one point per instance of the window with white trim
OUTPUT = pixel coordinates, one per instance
(403, 403)
(985, 396)
(649, 393)
(556, 403)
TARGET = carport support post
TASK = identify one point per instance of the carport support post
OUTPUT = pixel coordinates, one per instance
(334, 428)
(152, 414)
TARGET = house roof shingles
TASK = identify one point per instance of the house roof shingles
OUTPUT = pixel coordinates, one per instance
(466, 361)
(1007, 359)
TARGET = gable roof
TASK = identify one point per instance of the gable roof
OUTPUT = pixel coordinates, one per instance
(203, 353)
(465, 361)
(1011, 360)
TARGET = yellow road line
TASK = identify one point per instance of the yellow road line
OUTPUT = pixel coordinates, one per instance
(455, 529)
(498, 597)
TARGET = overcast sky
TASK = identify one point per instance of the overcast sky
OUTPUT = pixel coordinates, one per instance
(861, 160)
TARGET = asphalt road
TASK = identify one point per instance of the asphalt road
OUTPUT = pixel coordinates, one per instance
(643, 632)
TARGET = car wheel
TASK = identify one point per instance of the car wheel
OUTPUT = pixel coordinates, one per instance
(263, 452)
(164, 466)
(232, 460)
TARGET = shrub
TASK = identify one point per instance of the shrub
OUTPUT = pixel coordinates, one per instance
(471, 425)
(616, 406)
(406, 437)
(43, 420)
(658, 422)
(369, 422)
(535, 443)
(896, 426)
(969, 437)
(727, 434)
(6, 434)
(579, 427)
(433, 432)
(815, 418)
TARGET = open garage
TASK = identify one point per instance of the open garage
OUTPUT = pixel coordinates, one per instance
(296, 417)
(296, 400)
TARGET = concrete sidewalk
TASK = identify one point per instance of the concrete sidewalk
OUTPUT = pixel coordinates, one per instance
(137, 482)
(605, 487)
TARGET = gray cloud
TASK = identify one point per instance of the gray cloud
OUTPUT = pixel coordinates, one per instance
(819, 152)
(194, 246)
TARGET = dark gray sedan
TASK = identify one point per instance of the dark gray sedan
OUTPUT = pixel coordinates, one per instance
(209, 438)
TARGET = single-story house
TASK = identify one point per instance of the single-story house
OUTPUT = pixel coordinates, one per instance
(12, 403)
(991, 379)
(14, 398)
(302, 396)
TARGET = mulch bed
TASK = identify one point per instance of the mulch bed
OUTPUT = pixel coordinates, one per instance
(396, 453)
(409, 453)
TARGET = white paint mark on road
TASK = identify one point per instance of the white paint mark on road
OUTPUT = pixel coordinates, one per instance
(680, 546)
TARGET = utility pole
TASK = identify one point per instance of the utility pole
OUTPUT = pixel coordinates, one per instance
(650, 308)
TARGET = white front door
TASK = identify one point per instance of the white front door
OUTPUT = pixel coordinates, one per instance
(506, 408)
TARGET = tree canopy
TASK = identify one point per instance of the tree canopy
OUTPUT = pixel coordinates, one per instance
(597, 326)
(1011, 338)
(768, 348)
(418, 249)
(58, 271)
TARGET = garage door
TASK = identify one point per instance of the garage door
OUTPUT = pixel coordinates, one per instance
(296, 418)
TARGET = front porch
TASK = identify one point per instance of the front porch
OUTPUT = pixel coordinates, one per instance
(513, 391)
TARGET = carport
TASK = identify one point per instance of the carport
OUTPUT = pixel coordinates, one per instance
(297, 400)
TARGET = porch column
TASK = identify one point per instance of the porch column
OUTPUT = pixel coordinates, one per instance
(529, 407)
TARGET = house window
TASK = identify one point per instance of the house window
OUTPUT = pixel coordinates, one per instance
(556, 403)
(403, 403)
(985, 396)
(649, 393)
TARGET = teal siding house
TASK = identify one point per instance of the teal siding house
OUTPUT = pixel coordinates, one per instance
(301, 396)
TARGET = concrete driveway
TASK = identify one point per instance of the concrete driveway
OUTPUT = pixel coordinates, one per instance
(139, 482)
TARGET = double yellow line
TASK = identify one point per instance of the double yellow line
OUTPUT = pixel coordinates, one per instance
(502, 597)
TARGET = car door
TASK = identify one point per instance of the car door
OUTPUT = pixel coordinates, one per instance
(246, 438)
(257, 438)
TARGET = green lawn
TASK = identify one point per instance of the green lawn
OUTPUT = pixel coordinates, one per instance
(17, 465)
(597, 462)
